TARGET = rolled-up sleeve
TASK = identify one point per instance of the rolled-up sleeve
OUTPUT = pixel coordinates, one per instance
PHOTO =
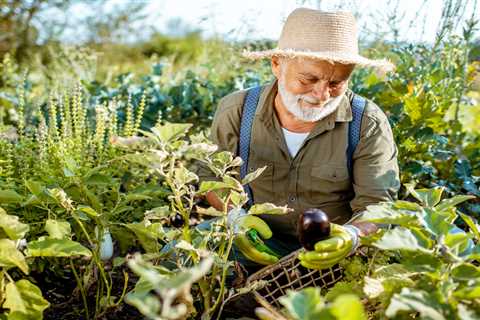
(375, 166)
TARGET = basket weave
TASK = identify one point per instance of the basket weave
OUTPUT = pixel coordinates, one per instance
(287, 274)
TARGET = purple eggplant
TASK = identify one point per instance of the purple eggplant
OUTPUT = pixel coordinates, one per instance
(313, 226)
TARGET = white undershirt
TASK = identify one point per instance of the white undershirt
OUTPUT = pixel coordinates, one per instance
(294, 140)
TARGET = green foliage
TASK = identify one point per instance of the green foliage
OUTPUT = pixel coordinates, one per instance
(427, 103)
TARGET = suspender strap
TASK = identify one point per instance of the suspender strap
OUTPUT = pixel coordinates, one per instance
(248, 114)
(358, 106)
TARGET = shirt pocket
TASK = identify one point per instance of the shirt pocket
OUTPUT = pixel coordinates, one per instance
(329, 182)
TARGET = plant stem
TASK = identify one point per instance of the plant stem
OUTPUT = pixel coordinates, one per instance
(81, 287)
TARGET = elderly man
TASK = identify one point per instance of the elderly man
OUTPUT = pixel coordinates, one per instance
(324, 147)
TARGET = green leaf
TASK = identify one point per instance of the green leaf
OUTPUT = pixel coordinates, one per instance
(148, 235)
(253, 175)
(12, 227)
(382, 213)
(56, 248)
(137, 197)
(306, 304)
(411, 300)
(184, 176)
(457, 241)
(269, 208)
(348, 307)
(452, 202)
(401, 239)
(98, 180)
(211, 211)
(223, 158)
(58, 229)
(11, 257)
(428, 197)
(170, 132)
(175, 285)
(88, 210)
(35, 187)
(207, 186)
(373, 288)
(470, 292)
(465, 272)
(437, 223)
(24, 300)
(158, 213)
(233, 183)
(472, 224)
(238, 199)
(465, 313)
(406, 205)
(10, 196)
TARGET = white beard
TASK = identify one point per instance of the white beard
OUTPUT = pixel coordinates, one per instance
(307, 114)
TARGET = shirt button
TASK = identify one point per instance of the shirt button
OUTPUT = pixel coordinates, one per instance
(251, 169)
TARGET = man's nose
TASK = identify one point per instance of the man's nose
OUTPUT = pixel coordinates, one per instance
(321, 91)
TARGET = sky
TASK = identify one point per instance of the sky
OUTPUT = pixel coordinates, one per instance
(416, 20)
(256, 19)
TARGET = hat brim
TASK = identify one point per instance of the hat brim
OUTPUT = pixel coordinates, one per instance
(344, 58)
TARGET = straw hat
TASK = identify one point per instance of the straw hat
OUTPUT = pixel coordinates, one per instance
(330, 36)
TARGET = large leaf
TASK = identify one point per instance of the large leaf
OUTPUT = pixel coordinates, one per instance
(210, 211)
(88, 210)
(56, 248)
(465, 272)
(306, 304)
(10, 196)
(348, 307)
(177, 285)
(437, 223)
(171, 131)
(452, 202)
(470, 292)
(472, 224)
(384, 214)
(253, 175)
(269, 208)
(12, 227)
(233, 183)
(206, 186)
(148, 235)
(411, 300)
(58, 229)
(428, 197)
(401, 239)
(466, 313)
(35, 187)
(11, 257)
(184, 176)
(24, 300)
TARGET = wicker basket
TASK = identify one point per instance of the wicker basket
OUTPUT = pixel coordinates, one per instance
(286, 274)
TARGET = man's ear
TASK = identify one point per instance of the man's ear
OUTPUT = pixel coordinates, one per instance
(276, 66)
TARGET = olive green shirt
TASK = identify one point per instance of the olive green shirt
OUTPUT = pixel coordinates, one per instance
(317, 177)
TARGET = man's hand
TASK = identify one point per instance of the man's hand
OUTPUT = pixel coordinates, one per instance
(249, 231)
(343, 240)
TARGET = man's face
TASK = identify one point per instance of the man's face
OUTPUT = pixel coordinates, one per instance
(310, 89)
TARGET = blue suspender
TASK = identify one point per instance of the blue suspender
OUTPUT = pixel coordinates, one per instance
(248, 114)
(358, 106)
